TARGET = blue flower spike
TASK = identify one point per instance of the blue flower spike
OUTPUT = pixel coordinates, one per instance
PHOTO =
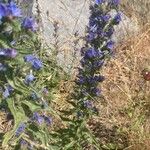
(98, 46)
(9, 53)
(13, 10)
(38, 118)
(7, 92)
(30, 24)
(35, 62)
(98, 2)
(20, 129)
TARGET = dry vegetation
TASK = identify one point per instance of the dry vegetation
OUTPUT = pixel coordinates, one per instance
(137, 8)
(127, 94)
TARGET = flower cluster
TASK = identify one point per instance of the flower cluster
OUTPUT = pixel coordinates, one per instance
(9, 10)
(8, 90)
(29, 78)
(41, 119)
(36, 63)
(98, 46)
(20, 70)
(30, 24)
(20, 129)
(9, 53)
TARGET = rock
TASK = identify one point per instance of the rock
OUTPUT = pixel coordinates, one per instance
(127, 28)
(72, 16)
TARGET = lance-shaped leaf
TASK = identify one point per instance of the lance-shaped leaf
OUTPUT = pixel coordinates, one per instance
(19, 116)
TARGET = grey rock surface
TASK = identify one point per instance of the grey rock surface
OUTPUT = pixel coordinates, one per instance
(72, 16)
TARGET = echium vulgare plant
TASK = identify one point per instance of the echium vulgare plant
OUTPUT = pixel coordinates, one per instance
(26, 78)
(99, 46)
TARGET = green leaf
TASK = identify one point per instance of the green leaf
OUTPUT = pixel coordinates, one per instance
(109, 146)
(33, 107)
(15, 85)
(3, 44)
(16, 26)
(19, 116)
(70, 145)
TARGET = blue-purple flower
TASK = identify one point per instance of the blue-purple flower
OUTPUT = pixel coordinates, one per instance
(10, 53)
(30, 24)
(36, 63)
(88, 104)
(3, 67)
(48, 120)
(108, 33)
(6, 93)
(106, 17)
(20, 129)
(41, 119)
(45, 91)
(91, 36)
(98, 2)
(38, 118)
(29, 58)
(117, 18)
(23, 142)
(89, 80)
(95, 91)
(81, 80)
(95, 79)
(97, 64)
(110, 45)
(2, 10)
(29, 78)
(93, 53)
(8, 90)
(12, 10)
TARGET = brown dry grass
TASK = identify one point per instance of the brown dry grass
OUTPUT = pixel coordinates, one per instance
(127, 94)
(137, 8)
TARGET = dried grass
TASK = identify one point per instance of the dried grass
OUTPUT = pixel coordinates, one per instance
(137, 8)
(126, 92)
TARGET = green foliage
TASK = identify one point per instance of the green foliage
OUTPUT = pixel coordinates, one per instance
(20, 104)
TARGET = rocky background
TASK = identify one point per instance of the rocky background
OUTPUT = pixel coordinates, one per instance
(61, 20)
